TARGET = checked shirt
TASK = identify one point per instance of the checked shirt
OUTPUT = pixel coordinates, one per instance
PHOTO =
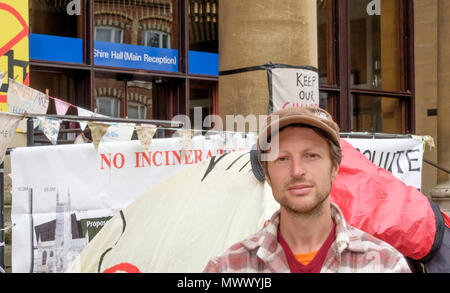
(353, 251)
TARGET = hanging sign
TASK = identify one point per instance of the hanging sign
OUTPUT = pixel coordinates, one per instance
(294, 87)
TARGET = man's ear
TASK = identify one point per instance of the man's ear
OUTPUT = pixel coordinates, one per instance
(334, 172)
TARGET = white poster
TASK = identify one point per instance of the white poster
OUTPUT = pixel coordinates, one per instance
(25, 99)
(294, 88)
(402, 157)
(63, 195)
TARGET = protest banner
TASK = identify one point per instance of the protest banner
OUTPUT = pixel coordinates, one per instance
(402, 157)
(68, 190)
(294, 87)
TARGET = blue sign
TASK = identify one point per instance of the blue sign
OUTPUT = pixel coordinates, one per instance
(136, 57)
(203, 63)
(54, 48)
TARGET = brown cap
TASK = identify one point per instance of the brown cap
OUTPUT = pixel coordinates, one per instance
(312, 116)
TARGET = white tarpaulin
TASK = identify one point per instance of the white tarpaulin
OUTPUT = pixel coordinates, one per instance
(72, 190)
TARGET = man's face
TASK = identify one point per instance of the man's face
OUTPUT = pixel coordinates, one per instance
(302, 173)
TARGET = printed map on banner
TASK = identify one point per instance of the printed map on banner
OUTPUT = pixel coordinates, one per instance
(14, 50)
(81, 189)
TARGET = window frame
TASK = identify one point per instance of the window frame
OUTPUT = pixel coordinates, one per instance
(139, 106)
(339, 54)
(160, 34)
(116, 100)
(112, 35)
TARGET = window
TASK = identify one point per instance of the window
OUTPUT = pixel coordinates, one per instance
(366, 64)
(108, 34)
(108, 106)
(156, 39)
(137, 111)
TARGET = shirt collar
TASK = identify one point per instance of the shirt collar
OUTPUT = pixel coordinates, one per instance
(269, 250)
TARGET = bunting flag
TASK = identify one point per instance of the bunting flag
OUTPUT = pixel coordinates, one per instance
(8, 125)
(50, 127)
(186, 137)
(61, 106)
(145, 135)
(80, 139)
(97, 132)
(22, 98)
(118, 132)
(86, 113)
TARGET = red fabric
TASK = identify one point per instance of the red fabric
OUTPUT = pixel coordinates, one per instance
(316, 264)
(446, 219)
(376, 202)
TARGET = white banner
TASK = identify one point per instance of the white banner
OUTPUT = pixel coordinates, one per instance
(62, 195)
(25, 99)
(402, 157)
(294, 88)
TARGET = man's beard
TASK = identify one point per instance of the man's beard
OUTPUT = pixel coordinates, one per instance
(306, 211)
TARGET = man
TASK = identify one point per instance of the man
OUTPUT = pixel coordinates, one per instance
(309, 233)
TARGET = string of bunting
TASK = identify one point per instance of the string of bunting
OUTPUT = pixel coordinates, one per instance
(19, 97)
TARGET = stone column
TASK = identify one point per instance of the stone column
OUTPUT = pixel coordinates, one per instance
(441, 192)
(256, 32)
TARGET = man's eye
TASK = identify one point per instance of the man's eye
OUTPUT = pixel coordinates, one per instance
(312, 156)
(282, 159)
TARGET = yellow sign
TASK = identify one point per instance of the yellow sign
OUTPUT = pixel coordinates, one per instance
(14, 51)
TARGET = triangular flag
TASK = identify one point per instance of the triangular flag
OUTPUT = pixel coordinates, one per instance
(186, 137)
(50, 127)
(145, 135)
(97, 132)
(119, 132)
(84, 113)
(8, 125)
(22, 98)
(61, 106)
(80, 139)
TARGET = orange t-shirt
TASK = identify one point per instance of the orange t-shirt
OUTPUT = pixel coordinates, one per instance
(306, 258)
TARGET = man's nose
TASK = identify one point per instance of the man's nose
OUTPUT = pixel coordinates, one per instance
(297, 168)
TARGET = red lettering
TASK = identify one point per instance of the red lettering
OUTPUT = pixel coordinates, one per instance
(137, 160)
(122, 160)
(106, 160)
(209, 155)
(167, 157)
(188, 157)
(177, 156)
(154, 159)
(146, 157)
(198, 156)
(123, 267)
